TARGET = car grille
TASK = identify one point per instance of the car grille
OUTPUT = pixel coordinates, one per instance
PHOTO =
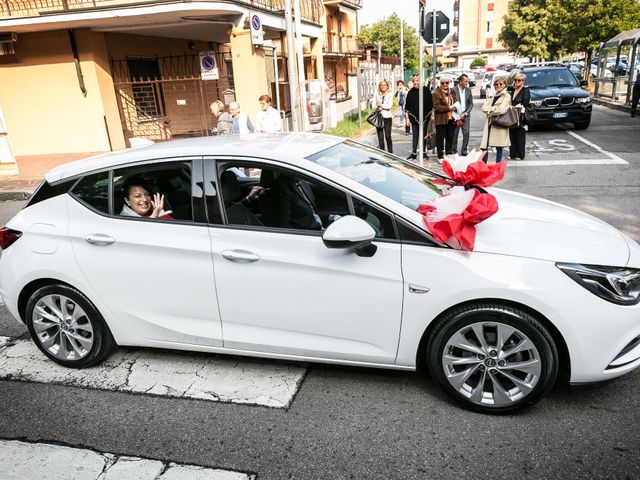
(556, 101)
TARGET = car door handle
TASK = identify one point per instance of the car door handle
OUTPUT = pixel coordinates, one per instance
(99, 239)
(240, 256)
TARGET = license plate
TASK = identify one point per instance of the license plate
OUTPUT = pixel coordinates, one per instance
(560, 115)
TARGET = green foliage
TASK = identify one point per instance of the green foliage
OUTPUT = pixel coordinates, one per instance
(526, 29)
(547, 28)
(348, 126)
(478, 62)
(387, 32)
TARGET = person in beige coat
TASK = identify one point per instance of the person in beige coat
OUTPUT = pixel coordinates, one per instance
(493, 135)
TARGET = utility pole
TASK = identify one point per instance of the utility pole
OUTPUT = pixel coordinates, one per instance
(291, 67)
(421, 105)
(301, 77)
(434, 60)
(402, 48)
(379, 67)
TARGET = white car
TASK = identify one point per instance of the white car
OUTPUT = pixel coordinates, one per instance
(326, 261)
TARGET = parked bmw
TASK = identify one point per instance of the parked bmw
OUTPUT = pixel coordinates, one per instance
(309, 247)
(556, 96)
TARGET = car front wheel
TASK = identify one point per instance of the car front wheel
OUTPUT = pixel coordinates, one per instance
(67, 327)
(492, 358)
(581, 125)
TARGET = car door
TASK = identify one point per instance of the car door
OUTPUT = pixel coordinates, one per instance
(156, 276)
(280, 290)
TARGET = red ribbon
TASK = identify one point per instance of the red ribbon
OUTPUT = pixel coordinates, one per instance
(461, 226)
(477, 173)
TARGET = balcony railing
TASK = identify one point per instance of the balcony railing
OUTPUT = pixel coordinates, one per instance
(334, 43)
(310, 10)
(355, 4)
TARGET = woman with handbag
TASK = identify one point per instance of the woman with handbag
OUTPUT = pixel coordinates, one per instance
(520, 97)
(383, 101)
(496, 135)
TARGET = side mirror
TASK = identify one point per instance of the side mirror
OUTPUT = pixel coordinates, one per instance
(352, 233)
(584, 83)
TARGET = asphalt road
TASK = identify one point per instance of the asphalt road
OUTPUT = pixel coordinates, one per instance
(364, 423)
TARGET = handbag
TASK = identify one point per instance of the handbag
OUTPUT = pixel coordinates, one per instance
(509, 119)
(430, 136)
(375, 118)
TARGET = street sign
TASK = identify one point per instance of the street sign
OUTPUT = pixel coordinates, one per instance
(426, 26)
(208, 66)
(257, 35)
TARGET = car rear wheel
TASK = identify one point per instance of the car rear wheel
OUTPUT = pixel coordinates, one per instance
(67, 327)
(492, 358)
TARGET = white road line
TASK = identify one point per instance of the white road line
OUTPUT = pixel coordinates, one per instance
(554, 163)
(206, 377)
(23, 461)
(612, 156)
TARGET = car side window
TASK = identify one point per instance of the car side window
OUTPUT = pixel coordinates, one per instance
(381, 222)
(93, 190)
(262, 196)
(158, 191)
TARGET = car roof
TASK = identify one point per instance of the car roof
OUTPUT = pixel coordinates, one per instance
(287, 147)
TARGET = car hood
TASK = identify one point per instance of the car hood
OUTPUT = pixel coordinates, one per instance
(538, 93)
(531, 227)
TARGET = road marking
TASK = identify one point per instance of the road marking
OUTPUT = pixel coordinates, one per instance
(22, 460)
(554, 163)
(173, 374)
(612, 156)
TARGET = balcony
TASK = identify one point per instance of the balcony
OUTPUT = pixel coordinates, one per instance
(336, 43)
(355, 4)
(309, 9)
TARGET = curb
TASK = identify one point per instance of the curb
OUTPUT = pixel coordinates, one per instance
(14, 196)
(613, 105)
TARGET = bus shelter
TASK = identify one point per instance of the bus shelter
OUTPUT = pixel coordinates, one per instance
(618, 66)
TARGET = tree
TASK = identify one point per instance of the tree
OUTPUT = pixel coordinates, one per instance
(582, 25)
(478, 62)
(526, 29)
(387, 32)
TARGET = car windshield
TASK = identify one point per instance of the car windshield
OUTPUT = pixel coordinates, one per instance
(390, 176)
(551, 77)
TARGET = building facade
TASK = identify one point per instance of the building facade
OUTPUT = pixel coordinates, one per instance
(85, 76)
(478, 24)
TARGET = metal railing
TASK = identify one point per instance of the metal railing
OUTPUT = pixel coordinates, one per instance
(310, 10)
(335, 43)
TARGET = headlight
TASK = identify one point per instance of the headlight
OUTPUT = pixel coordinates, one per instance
(583, 100)
(536, 103)
(613, 284)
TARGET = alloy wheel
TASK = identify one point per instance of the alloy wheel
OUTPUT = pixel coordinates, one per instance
(491, 363)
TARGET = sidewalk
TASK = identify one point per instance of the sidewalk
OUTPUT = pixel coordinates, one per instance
(30, 172)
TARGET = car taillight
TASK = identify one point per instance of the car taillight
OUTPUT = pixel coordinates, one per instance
(8, 236)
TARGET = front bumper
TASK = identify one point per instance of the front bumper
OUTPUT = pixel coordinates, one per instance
(559, 114)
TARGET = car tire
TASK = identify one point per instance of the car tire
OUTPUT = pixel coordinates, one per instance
(581, 125)
(481, 374)
(67, 327)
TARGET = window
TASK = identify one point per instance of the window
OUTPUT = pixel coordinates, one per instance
(262, 196)
(146, 182)
(148, 96)
(93, 190)
(380, 221)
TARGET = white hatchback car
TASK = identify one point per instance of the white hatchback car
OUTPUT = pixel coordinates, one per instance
(309, 247)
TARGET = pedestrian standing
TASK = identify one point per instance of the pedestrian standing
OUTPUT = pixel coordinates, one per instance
(444, 99)
(225, 122)
(401, 93)
(412, 114)
(520, 97)
(465, 104)
(267, 117)
(241, 121)
(384, 101)
(635, 95)
(494, 135)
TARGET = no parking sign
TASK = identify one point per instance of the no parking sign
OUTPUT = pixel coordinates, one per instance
(208, 66)
(257, 35)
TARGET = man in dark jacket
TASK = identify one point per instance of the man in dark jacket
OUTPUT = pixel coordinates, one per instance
(412, 114)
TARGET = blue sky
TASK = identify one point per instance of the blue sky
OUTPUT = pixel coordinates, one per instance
(374, 10)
